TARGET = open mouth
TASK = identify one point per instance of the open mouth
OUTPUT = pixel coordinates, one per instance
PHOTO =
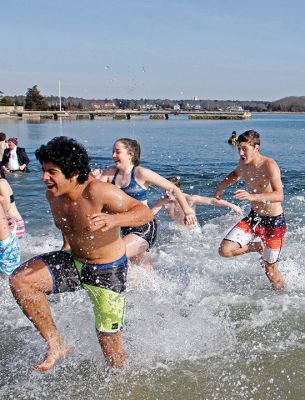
(50, 185)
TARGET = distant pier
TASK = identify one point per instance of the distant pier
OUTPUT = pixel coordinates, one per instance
(128, 114)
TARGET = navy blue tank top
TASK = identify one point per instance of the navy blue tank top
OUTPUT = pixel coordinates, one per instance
(133, 189)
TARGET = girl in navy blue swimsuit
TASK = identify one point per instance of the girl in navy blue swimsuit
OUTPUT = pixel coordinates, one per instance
(135, 180)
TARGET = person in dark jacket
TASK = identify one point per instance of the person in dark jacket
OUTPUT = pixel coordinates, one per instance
(14, 158)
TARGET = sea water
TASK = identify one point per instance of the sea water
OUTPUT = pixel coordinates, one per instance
(199, 326)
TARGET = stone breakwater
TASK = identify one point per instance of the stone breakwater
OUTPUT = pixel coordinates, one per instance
(125, 114)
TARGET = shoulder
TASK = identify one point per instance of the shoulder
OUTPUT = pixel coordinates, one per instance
(140, 171)
(191, 199)
(270, 164)
(238, 170)
(96, 188)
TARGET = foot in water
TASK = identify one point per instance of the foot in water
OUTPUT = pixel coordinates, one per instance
(53, 355)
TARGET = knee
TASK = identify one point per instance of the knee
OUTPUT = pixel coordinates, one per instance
(20, 279)
(17, 279)
(224, 251)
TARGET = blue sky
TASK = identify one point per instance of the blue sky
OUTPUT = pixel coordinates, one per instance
(154, 49)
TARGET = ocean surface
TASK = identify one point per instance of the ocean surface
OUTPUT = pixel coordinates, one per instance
(199, 326)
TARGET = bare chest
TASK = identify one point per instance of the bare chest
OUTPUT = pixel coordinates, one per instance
(256, 179)
(72, 217)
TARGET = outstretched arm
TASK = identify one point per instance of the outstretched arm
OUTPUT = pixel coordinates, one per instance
(159, 204)
(229, 180)
(152, 178)
(214, 202)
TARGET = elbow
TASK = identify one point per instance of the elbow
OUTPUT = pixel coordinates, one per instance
(147, 214)
(280, 197)
(150, 214)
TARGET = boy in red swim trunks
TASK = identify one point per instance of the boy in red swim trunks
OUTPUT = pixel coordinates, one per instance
(266, 219)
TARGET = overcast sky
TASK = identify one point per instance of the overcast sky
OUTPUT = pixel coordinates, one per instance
(154, 49)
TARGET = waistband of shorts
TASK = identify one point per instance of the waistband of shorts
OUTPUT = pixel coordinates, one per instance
(254, 214)
(112, 264)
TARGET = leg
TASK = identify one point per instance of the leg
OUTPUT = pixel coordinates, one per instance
(112, 348)
(231, 249)
(29, 284)
(136, 251)
(275, 277)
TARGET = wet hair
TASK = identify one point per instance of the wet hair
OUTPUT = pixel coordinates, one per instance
(70, 156)
(175, 180)
(252, 137)
(2, 136)
(132, 146)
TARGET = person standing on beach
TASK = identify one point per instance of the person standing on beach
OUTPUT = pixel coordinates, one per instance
(134, 180)
(266, 219)
(97, 258)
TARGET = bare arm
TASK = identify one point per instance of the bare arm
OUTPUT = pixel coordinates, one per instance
(120, 209)
(159, 204)
(152, 178)
(229, 180)
(274, 196)
(214, 202)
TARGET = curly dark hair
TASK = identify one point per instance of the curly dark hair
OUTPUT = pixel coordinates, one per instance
(70, 156)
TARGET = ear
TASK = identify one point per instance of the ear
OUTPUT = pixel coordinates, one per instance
(74, 176)
(257, 147)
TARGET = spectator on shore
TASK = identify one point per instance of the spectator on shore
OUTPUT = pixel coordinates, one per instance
(14, 158)
(3, 144)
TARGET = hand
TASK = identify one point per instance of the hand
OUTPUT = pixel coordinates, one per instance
(22, 167)
(190, 218)
(5, 170)
(237, 210)
(170, 195)
(218, 194)
(96, 173)
(241, 194)
(101, 221)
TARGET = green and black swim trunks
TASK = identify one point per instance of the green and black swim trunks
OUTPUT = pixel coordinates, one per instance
(105, 284)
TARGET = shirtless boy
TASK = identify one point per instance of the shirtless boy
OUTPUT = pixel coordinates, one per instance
(173, 209)
(97, 259)
(266, 219)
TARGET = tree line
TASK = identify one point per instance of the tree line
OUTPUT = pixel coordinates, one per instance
(34, 100)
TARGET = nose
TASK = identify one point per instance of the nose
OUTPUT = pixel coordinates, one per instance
(45, 176)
